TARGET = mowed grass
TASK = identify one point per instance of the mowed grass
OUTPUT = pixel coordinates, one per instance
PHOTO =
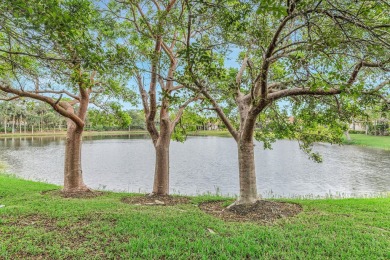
(382, 142)
(220, 133)
(33, 225)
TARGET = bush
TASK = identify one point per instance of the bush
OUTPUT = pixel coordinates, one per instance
(357, 131)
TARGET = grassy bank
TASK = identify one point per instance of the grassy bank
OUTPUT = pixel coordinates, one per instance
(382, 142)
(33, 225)
(63, 133)
(221, 133)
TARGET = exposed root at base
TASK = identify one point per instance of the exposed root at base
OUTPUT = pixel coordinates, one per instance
(262, 211)
(156, 200)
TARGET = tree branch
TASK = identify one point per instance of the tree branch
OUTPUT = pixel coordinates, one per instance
(57, 92)
(57, 107)
(10, 98)
(179, 113)
(302, 91)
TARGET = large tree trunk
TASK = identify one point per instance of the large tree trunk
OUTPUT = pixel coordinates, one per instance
(247, 173)
(161, 174)
(5, 126)
(73, 177)
(246, 161)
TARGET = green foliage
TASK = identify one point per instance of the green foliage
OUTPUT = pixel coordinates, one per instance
(179, 134)
(313, 50)
(29, 115)
(315, 122)
(137, 119)
(192, 121)
(111, 116)
(275, 8)
(62, 45)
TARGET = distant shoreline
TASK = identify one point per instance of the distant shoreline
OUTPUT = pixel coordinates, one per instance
(63, 133)
(379, 142)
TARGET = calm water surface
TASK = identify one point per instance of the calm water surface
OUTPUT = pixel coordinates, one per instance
(204, 164)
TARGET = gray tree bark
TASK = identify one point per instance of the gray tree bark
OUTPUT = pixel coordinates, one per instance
(246, 158)
(247, 173)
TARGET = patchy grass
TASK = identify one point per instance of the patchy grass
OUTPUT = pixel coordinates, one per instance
(382, 142)
(35, 225)
(264, 212)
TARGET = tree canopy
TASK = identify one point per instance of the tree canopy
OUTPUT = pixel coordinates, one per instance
(302, 68)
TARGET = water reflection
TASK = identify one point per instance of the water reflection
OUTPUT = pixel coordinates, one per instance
(203, 164)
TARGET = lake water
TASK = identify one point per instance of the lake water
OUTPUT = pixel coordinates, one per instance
(204, 165)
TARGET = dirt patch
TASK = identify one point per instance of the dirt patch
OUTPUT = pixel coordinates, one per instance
(89, 233)
(156, 200)
(263, 211)
(80, 195)
(36, 221)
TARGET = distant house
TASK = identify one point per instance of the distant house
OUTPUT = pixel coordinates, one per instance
(208, 126)
(357, 126)
(212, 126)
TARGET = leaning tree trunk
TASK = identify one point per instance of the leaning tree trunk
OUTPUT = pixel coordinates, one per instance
(161, 174)
(73, 177)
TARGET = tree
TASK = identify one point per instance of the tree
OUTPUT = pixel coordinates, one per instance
(153, 32)
(137, 119)
(6, 109)
(111, 117)
(377, 119)
(54, 49)
(302, 52)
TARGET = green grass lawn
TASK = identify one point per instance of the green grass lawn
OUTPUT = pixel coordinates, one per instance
(221, 133)
(38, 226)
(382, 142)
